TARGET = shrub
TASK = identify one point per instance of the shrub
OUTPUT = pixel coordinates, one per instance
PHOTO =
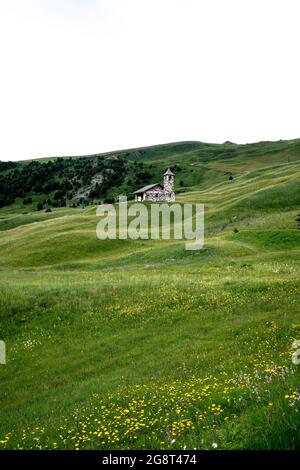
(109, 200)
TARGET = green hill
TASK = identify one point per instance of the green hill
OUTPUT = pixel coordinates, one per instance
(142, 344)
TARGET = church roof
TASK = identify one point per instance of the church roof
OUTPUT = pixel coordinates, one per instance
(168, 172)
(146, 188)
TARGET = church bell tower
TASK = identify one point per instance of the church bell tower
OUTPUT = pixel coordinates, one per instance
(169, 185)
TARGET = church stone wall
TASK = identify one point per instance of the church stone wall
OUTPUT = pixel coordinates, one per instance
(155, 194)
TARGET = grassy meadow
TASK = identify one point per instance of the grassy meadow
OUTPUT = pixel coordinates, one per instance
(123, 344)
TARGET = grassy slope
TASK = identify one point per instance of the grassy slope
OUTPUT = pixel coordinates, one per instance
(92, 324)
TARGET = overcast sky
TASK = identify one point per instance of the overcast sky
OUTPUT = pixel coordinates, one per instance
(86, 76)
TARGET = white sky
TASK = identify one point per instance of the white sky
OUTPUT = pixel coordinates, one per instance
(85, 76)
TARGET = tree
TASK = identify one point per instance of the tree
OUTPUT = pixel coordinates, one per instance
(58, 195)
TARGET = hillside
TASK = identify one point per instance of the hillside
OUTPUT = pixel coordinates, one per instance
(142, 344)
(70, 181)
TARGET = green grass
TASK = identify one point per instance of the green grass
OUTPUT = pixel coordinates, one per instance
(142, 344)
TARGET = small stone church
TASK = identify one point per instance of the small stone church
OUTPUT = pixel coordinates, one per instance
(158, 192)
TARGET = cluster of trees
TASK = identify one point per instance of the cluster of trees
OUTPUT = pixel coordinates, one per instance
(62, 179)
(7, 165)
(33, 178)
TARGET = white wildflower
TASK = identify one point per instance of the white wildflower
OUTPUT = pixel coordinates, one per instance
(296, 357)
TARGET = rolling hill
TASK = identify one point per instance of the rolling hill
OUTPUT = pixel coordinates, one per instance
(142, 344)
